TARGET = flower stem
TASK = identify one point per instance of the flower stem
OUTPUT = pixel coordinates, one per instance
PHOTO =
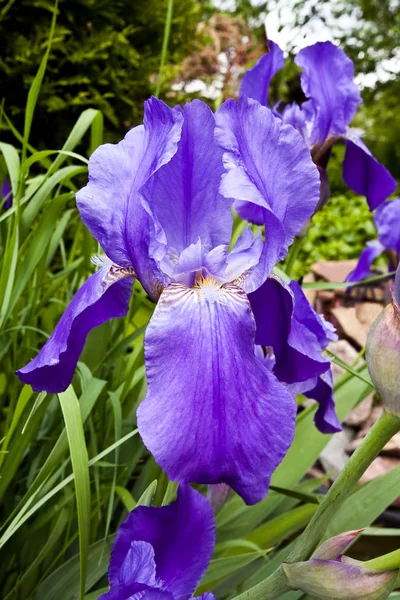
(387, 562)
(167, 31)
(383, 430)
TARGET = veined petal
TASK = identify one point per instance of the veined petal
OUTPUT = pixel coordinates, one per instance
(255, 83)
(111, 205)
(296, 348)
(213, 411)
(182, 536)
(367, 257)
(184, 193)
(268, 164)
(364, 174)
(245, 255)
(387, 221)
(104, 296)
(327, 79)
(136, 592)
(138, 565)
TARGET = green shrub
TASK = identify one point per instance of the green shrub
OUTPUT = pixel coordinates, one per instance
(104, 55)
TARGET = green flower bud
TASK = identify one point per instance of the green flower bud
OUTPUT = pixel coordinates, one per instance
(383, 353)
(329, 575)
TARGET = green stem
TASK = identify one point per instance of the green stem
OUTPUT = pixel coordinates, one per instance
(383, 430)
(387, 562)
(292, 255)
(167, 31)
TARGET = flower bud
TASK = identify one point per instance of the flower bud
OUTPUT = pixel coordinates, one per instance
(218, 494)
(336, 580)
(383, 352)
(329, 575)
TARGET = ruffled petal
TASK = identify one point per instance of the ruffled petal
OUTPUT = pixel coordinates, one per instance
(111, 205)
(367, 257)
(213, 411)
(184, 193)
(255, 83)
(387, 221)
(296, 348)
(364, 174)
(136, 592)
(182, 536)
(139, 565)
(324, 331)
(325, 418)
(327, 79)
(268, 164)
(245, 255)
(101, 298)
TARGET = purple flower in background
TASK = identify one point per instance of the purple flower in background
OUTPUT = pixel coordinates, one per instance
(387, 222)
(6, 194)
(293, 336)
(162, 553)
(324, 118)
(159, 203)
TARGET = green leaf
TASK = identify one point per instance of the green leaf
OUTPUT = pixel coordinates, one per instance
(367, 503)
(222, 567)
(281, 527)
(64, 582)
(80, 466)
(126, 497)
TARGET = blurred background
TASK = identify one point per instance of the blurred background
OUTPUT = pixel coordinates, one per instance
(106, 55)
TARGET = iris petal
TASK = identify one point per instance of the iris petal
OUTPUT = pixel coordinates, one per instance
(182, 536)
(213, 411)
(327, 79)
(97, 301)
(367, 257)
(111, 205)
(387, 221)
(364, 174)
(268, 165)
(184, 193)
(255, 83)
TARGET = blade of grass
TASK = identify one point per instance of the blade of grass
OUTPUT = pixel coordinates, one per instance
(167, 31)
(80, 466)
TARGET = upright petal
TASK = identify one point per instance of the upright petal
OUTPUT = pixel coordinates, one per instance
(182, 536)
(367, 257)
(255, 83)
(111, 205)
(213, 411)
(387, 221)
(364, 174)
(102, 297)
(327, 79)
(184, 193)
(268, 164)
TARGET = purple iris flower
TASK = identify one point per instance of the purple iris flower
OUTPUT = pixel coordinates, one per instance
(387, 222)
(159, 203)
(6, 194)
(162, 553)
(323, 119)
(293, 336)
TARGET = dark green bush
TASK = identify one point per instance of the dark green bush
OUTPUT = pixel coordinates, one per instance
(104, 55)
